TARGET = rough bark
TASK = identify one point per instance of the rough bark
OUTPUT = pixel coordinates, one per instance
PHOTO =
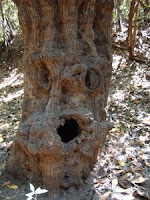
(67, 72)
(118, 3)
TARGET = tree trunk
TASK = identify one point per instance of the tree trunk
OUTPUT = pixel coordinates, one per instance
(131, 39)
(118, 3)
(3, 23)
(67, 72)
(135, 24)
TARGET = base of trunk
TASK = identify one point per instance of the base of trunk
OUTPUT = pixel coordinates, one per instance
(59, 155)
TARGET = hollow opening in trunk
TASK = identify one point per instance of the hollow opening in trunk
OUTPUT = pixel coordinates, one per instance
(69, 130)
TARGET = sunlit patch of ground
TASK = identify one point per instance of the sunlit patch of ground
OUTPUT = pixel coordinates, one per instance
(11, 92)
(124, 168)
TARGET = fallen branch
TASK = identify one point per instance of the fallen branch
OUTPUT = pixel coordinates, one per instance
(137, 58)
(140, 59)
(118, 46)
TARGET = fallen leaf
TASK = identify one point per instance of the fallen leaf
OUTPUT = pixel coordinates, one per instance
(139, 142)
(118, 171)
(9, 144)
(147, 163)
(114, 183)
(146, 121)
(99, 181)
(144, 194)
(136, 101)
(138, 169)
(1, 139)
(135, 162)
(14, 187)
(121, 190)
(125, 184)
(140, 179)
(6, 183)
(105, 195)
(137, 174)
(142, 138)
(122, 164)
(102, 180)
(125, 176)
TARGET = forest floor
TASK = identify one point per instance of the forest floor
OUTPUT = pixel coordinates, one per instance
(123, 169)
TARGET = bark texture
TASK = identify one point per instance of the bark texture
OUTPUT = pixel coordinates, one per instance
(67, 72)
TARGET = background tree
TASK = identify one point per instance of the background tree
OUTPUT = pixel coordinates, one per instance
(118, 4)
(135, 17)
(9, 25)
(132, 27)
(3, 21)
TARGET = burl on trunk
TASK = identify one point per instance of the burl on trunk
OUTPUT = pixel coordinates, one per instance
(67, 72)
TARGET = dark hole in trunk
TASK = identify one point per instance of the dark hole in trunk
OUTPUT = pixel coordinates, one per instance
(69, 130)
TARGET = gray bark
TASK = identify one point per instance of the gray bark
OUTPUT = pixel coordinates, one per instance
(67, 72)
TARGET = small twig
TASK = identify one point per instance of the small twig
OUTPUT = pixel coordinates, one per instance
(138, 59)
(118, 46)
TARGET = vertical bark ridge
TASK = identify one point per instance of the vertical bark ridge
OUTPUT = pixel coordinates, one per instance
(86, 17)
(101, 27)
(69, 26)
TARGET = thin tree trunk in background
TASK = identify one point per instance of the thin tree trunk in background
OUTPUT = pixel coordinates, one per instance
(135, 23)
(132, 27)
(129, 38)
(119, 16)
(67, 72)
(3, 22)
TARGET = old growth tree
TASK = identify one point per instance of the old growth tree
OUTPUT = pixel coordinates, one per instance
(67, 72)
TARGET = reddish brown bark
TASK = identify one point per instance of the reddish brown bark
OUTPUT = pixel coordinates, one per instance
(67, 72)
